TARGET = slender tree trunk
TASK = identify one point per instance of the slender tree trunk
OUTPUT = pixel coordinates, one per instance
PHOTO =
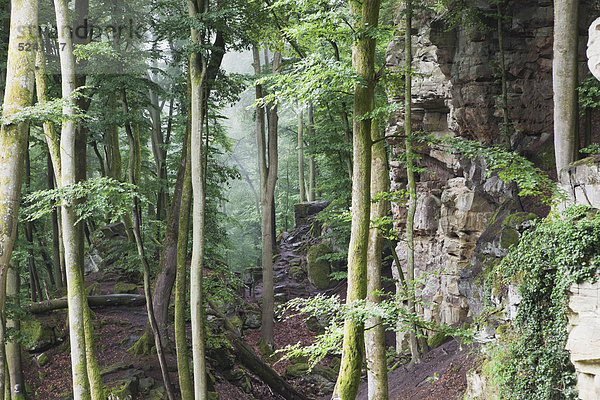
(301, 183)
(198, 79)
(56, 248)
(183, 366)
(564, 81)
(36, 287)
(160, 156)
(13, 348)
(412, 184)
(135, 164)
(375, 334)
(13, 144)
(267, 166)
(312, 165)
(75, 286)
(363, 60)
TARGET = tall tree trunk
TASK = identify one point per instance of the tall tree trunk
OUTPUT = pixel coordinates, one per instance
(564, 81)
(375, 334)
(267, 166)
(13, 348)
(198, 67)
(56, 247)
(301, 183)
(13, 144)
(412, 184)
(160, 156)
(183, 366)
(312, 165)
(75, 286)
(135, 165)
(36, 287)
(363, 60)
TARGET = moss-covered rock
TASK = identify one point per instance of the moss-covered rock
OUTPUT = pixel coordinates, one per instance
(509, 237)
(93, 290)
(438, 339)
(145, 385)
(297, 370)
(116, 367)
(251, 318)
(41, 335)
(157, 394)
(325, 371)
(213, 396)
(126, 288)
(240, 379)
(125, 389)
(297, 274)
(319, 268)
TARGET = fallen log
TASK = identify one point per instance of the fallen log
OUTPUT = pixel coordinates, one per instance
(107, 300)
(248, 358)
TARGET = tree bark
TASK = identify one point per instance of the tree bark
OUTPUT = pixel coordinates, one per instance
(13, 144)
(135, 165)
(312, 170)
(13, 348)
(363, 60)
(375, 335)
(301, 183)
(198, 66)
(75, 287)
(183, 366)
(106, 300)
(267, 166)
(564, 82)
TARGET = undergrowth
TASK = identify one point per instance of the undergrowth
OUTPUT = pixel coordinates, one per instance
(531, 361)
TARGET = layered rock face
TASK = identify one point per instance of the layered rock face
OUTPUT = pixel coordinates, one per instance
(465, 219)
(584, 338)
(582, 184)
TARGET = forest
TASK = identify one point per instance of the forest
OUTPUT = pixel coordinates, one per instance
(299, 199)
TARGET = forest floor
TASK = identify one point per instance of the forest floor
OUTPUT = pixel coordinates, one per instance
(441, 375)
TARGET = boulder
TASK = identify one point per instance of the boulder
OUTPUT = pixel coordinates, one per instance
(319, 269)
(304, 210)
(41, 335)
(125, 288)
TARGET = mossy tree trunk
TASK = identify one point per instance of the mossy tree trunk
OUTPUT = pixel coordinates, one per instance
(412, 184)
(375, 334)
(135, 165)
(564, 81)
(75, 286)
(198, 66)
(13, 144)
(13, 348)
(363, 60)
(267, 166)
(301, 183)
(312, 167)
(183, 366)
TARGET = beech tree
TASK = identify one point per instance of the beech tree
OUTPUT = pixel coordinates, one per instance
(74, 270)
(375, 335)
(564, 82)
(267, 167)
(363, 60)
(197, 79)
(13, 144)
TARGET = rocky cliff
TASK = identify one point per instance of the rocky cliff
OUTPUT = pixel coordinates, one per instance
(466, 220)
